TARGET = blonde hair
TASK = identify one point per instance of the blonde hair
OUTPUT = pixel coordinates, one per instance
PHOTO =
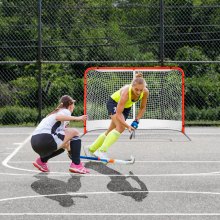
(65, 101)
(138, 79)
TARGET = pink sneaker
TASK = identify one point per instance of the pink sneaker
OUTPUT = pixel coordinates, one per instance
(41, 166)
(78, 168)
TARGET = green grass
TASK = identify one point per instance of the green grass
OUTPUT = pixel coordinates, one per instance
(202, 123)
(76, 124)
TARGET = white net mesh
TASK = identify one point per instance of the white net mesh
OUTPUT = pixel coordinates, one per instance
(164, 108)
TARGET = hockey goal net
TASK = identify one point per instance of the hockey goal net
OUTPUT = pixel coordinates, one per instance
(165, 107)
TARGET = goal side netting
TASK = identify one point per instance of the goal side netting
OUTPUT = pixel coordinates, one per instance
(165, 107)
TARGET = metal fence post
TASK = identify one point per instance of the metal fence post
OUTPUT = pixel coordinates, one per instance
(161, 47)
(39, 59)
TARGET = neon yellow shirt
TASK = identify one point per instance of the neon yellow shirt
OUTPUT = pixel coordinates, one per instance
(117, 95)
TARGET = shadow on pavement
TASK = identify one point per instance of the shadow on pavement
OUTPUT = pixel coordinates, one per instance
(120, 183)
(48, 186)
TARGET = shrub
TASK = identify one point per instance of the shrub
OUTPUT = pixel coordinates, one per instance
(5, 94)
(196, 114)
(17, 115)
(203, 92)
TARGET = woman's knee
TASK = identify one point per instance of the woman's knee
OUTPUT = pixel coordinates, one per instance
(66, 145)
(72, 132)
(120, 128)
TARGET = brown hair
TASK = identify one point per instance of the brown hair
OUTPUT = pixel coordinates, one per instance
(138, 79)
(65, 101)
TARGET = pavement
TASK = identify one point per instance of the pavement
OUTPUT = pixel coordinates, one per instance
(174, 177)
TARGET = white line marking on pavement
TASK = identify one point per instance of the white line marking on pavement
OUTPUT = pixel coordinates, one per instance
(137, 161)
(52, 174)
(7, 159)
(109, 214)
(104, 193)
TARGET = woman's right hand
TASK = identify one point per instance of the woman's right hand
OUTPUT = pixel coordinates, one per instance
(130, 128)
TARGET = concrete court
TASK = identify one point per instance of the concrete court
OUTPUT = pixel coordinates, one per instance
(173, 178)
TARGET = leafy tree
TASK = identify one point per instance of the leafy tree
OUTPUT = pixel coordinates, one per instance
(193, 54)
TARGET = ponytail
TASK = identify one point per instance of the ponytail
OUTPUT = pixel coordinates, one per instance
(139, 75)
(65, 102)
(56, 109)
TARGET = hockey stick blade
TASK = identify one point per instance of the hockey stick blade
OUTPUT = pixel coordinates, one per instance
(110, 160)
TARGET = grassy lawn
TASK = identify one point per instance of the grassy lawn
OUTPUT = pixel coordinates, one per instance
(202, 123)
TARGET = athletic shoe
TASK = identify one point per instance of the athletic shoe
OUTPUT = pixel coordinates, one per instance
(78, 168)
(87, 151)
(41, 165)
(101, 154)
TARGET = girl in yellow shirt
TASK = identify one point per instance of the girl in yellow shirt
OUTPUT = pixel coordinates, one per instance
(119, 106)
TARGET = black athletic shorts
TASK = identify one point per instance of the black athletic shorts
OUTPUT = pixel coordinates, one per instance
(112, 105)
(43, 144)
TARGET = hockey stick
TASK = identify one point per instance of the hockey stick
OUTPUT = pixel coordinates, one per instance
(110, 160)
(132, 135)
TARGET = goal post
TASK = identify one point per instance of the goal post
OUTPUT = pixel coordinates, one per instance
(165, 107)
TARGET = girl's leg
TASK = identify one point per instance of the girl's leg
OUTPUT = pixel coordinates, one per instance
(101, 138)
(69, 134)
(46, 147)
(66, 145)
(72, 142)
(54, 154)
(112, 134)
(75, 150)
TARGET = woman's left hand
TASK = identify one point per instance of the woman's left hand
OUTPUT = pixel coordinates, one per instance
(83, 118)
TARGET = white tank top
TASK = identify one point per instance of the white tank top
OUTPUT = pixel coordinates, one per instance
(50, 125)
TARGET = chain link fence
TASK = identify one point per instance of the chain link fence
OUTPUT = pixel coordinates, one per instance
(45, 47)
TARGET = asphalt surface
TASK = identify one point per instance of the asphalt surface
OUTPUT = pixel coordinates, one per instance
(173, 178)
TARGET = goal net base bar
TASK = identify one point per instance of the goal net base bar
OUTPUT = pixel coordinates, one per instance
(144, 124)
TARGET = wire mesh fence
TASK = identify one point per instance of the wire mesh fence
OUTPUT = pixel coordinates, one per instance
(19, 91)
(45, 47)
